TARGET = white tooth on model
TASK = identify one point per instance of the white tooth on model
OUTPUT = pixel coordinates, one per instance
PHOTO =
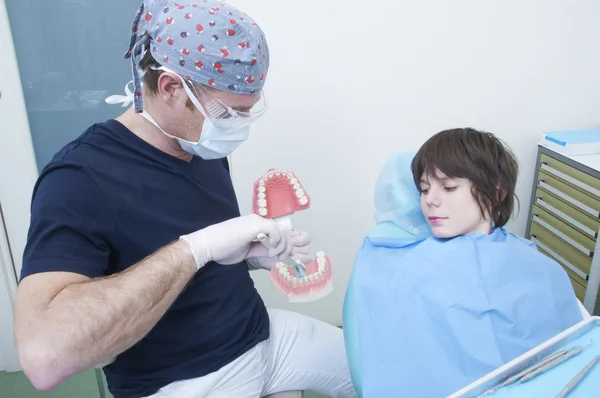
(261, 184)
(262, 195)
(295, 282)
(301, 281)
(303, 200)
(305, 279)
(262, 202)
(297, 186)
(262, 211)
(262, 189)
(293, 181)
(270, 175)
(299, 193)
(277, 173)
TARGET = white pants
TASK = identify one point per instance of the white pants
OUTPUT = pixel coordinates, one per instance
(301, 353)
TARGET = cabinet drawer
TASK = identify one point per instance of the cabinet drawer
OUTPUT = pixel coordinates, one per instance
(563, 252)
(570, 175)
(567, 233)
(559, 209)
(572, 274)
(573, 197)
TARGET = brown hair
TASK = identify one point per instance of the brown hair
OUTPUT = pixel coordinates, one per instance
(151, 76)
(478, 156)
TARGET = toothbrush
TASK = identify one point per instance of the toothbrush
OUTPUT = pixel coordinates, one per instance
(292, 262)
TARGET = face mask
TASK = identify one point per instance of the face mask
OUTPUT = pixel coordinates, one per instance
(213, 144)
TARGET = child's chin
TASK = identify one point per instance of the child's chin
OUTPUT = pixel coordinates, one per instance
(443, 233)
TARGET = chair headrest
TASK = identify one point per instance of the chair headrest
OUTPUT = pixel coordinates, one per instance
(397, 200)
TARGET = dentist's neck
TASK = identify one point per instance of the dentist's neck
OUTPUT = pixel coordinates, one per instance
(152, 134)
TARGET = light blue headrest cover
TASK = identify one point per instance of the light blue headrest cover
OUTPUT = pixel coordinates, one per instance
(397, 199)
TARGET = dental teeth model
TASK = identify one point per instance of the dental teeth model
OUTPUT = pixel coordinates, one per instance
(277, 195)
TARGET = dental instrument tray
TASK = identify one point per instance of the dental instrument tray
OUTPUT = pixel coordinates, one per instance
(550, 383)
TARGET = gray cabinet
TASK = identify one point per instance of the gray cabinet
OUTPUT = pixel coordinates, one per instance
(564, 218)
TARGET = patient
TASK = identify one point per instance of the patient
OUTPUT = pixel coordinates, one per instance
(435, 313)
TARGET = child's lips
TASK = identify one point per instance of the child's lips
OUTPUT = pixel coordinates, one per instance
(436, 220)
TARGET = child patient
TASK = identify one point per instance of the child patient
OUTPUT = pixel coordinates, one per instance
(435, 313)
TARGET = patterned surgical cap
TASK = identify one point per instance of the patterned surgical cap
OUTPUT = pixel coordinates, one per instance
(209, 42)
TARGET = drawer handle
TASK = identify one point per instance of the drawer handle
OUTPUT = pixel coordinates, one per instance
(573, 201)
(564, 237)
(560, 259)
(570, 179)
(540, 201)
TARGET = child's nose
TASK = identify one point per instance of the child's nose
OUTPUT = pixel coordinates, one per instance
(432, 198)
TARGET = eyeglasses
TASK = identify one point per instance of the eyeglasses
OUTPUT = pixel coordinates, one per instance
(222, 115)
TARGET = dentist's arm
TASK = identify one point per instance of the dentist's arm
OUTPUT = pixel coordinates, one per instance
(67, 323)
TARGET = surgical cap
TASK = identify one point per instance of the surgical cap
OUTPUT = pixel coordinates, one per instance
(209, 42)
(397, 199)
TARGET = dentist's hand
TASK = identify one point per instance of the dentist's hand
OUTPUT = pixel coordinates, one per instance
(300, 251)
(232, 241)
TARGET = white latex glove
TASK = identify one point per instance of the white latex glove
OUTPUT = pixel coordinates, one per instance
(231, 241)
(300, 251)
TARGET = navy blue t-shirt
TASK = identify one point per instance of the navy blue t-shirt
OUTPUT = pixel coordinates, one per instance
(109, 199)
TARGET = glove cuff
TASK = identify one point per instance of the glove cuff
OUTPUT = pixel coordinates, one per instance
(254, 263)
(266, 263)
(200, 253)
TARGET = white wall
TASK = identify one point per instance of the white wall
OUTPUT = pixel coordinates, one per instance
(352, 83)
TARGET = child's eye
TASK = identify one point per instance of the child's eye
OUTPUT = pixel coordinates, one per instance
(424, 190)
(449, 189)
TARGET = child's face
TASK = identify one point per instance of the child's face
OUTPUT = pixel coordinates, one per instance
(450, 208)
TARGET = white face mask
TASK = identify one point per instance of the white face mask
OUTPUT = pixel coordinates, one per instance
(213, 143)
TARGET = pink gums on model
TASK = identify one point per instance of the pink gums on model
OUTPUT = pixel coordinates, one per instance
(277, 195)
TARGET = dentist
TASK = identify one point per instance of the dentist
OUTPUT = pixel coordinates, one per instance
(137, 255)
